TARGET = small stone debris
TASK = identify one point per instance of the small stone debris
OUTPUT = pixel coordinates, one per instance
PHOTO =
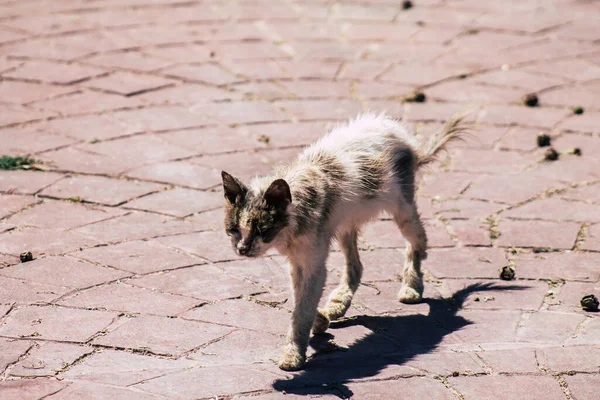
(455, 373)
(416, 97)
(406, 5)
(578, 110)
(26, 256)
(589, 302)
(531, 100)
(551, 155)
(576, 151)
(543, 140)
(507, 273)
(212, 54)
(264, 139)
(476, 298)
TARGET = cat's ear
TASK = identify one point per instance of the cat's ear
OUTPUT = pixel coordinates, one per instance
(278, 194)
(232, 188)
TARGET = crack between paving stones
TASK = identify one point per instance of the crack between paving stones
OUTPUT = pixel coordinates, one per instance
(5, 373)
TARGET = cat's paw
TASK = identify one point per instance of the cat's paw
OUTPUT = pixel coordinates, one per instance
(291, 358)
(408, 295)
(321, 322)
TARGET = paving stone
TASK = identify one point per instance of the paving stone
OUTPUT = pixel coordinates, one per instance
(95, 391)
(565, 359)
(122, 368)
(178, 202)
(214, 246)
(13, 204)
(511, 361)
(271, 272)
(62, 271)
(417, 387)
(99, 189)
(162, 335)
(129, 60)
(210, 381)
(242, 314)
(207, 73)
(63, 215)
(505, 387)
(445, 184)
(29, 388)
(492, 162)
(521, 139)
(472, 92)
(63, 74)
(43, 241)
(592, 239)
(12, 350)
(465, 208)
(55, 323)
(179, 173)
(589, 144)
(556, 209)
(471, 262)
(583, 386)
(574, 69)
(14, 114)
(86, 102)
(243, 112)
(471, 232)
(314, 110)
(204, 282)
(24, 92)
(48, 358)
(506, 189)
(27, 292)
(556, 235)
(188, 93)
(571, 170)
(380, 265)
(385, 234)
(588, 335)
(18, 142)
(203, 140)
(570, 294)
(549, 327)
(558, 266)
(588, 122)
(128, 84)
(126, 298)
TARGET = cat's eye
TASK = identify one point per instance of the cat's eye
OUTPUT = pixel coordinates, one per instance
(233, 231)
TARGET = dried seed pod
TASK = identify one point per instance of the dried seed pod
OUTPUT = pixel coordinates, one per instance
(578, 110)
(26, 256)
(589, 302)
(507, 273)
(543, 140)
(416, 97)
(551, 155)
(531, 100)
(407, 5)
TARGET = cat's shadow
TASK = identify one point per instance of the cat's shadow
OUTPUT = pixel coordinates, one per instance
(393, 340)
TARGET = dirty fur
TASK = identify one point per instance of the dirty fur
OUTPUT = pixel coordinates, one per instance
(345, 179)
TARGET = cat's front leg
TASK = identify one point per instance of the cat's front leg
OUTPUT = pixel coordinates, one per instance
(308, 279)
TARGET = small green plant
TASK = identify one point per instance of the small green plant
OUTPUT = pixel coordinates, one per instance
(11, 163)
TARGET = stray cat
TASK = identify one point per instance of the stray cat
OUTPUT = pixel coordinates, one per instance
(336, 185)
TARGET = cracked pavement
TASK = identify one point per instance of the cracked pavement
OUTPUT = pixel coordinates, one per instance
(133, 107)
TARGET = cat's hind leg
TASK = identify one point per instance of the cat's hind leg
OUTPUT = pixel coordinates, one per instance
(340, 299)
(410, 224)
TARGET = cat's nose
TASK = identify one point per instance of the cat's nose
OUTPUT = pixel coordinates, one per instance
(243, 248)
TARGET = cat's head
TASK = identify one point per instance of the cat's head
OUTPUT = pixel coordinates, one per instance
(255, 219)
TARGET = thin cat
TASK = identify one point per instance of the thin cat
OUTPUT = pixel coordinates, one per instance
(339, 183)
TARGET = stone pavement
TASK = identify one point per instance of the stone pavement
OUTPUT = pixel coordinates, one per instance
(132, 108)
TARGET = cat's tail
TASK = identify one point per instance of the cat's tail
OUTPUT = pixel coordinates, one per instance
(458, 127)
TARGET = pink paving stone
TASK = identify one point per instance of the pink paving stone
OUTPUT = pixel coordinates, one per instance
(412, 388)
(76, 160)
(210, 381)
(504, 387)
(570, 97)
(92, 127)
(423, 75)
(511, 361)
(63, 74)
(522, 115)
(211, 74)
(11, 350)
(23, 92)
(136, 225)
(12, 204)
(123, 368)
(559, 266)
(183, 54)
(589, 144)
(549, 327)
(445, 183)
(63, 215)
(209, 220)
(178, 202)
(28, 141)
(570, 294)
(520, 295)
(556, 209)
(471, 92)
(43, 241)
(312, 88)
(583, 386)
(130, 60)
(518, 138)
(203, 282)
(488, 326)
(129, 84)
(271, 272)
(87, 390)
(250, 51)
(161, 335)
(587, 122)
(137, 150)
(100, 189)
(242, 112)
(139, 257)
(21, 291)
(384, 234)
(310, 110)
(511, 188)
(572, 169)
(592, 239)
(86, 102)
(242, 314)
(188, 93)
(574, 69)
(493, 162)
(180, 173)
(519, 79)
(446, 362)
(380, 265)
(557, 235)
(62, 271)
(163, 118)
(574, 358)
(214, 246)
(473, 232)
(125, 298)
(56, 323)
(48, 358)
(464, 208)
(589, 333)
(376, 90)
(205, 141)
(29, 388)
(12, 114)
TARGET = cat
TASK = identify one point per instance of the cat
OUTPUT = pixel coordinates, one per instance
(345, 179)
